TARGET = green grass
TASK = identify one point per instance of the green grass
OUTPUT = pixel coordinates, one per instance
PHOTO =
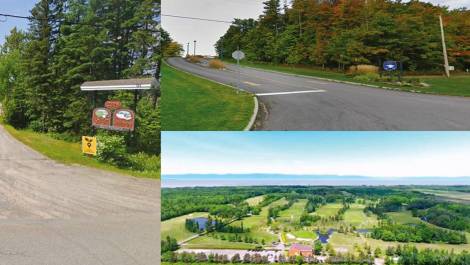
(255, 200)
(207, 242)
(355, 216)
(66, 152)
(457, 85)
(404, 217)
(327, 210)
(175, 227)
(190, 103)
(448, 194)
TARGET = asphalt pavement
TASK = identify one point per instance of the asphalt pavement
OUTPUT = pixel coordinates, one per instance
(304, 103)
(55, 214)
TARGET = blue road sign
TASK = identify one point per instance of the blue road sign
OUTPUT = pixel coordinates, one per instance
(390, 65)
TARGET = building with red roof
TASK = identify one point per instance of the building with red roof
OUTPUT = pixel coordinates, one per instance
(300, 250)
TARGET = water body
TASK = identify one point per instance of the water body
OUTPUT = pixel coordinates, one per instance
(209, 180)
(362, 231)
(325, 237)
(201, 222)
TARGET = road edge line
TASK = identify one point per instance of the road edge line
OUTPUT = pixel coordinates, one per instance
(252, 120)
(254, 115)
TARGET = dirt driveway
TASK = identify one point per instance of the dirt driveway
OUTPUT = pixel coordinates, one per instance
(56, 214)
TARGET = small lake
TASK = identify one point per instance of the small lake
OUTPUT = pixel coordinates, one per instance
(201, 222)
(324, 237)
(362, 231)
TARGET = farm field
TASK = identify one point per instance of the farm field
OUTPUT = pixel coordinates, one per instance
(175, 227)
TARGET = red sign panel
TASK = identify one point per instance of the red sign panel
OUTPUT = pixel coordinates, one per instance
(113, 104)
(101, 118)
(123, 120)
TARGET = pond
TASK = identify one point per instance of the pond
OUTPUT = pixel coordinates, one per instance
(324, 237)
(362, 231)
(201, 222)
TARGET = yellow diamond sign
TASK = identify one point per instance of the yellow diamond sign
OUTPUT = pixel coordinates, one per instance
(89, 145)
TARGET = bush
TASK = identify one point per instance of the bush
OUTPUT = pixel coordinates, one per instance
(194, 59)
(370, 77)
(144, 162)
(112, 149)
(363, 69)
(216, 64)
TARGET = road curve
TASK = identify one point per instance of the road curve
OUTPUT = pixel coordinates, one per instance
(302, 103)
(54, 214)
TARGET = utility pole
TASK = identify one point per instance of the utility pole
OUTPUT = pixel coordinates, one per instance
(446, 60)
(195, 48)
(187, 50)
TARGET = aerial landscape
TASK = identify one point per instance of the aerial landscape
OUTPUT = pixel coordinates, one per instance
(337, 198)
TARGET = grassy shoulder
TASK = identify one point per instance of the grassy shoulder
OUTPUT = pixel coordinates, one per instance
(456, 85)
(191, 103)
(66, 152)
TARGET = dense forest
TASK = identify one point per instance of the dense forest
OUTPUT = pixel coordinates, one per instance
(338, 34)
(72, 41)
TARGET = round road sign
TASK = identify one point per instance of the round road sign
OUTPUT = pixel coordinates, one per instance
(238, 55)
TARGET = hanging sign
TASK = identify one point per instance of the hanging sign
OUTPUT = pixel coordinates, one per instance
(89, 145)
(101, 118)
(123, 120)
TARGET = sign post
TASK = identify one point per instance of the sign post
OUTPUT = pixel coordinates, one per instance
(238, 55)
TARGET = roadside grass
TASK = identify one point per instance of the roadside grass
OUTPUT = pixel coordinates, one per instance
(355, 216)
(191, 103)
(67, 152)
(175, 227)
(456, 85)
(255, 200)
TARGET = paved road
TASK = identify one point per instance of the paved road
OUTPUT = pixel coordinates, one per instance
(312, 104)
(52, 214)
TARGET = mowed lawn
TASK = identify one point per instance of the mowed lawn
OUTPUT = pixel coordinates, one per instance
(190, 103)
(255, 200)
(348, 241)
(175, 227)
(329, 209)
(293, 214)
(208, 242)
(68, 153)
(456, 85)
(355, 216)
(404, 217)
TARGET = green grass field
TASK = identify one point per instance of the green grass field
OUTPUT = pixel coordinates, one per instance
(404, 217)
(190, 103)
(67, 152)
(328, 210)
(449, 195)
(355, 216)
(175, 227)
(343, 241)
(292, 215)
(255, 200)
(258, 230)
(457, 85)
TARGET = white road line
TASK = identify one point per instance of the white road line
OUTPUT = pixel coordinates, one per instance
(251, 84)
(288, 93)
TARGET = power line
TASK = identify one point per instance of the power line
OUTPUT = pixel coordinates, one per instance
(198, 18)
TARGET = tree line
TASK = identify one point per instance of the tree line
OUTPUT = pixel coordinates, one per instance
(69, 42)
(342, 33)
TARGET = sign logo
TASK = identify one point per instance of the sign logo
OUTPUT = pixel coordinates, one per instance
(123, 120)
(390, 65)
(89, 145)
(101, 118)
(113, 104)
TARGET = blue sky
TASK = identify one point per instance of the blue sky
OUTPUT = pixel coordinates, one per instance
(373, 154)
(17, 7)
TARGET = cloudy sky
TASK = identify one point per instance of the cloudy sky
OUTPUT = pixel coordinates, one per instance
(372, 154)
(207, 33)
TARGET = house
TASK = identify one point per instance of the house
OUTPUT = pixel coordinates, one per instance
(300, 250)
